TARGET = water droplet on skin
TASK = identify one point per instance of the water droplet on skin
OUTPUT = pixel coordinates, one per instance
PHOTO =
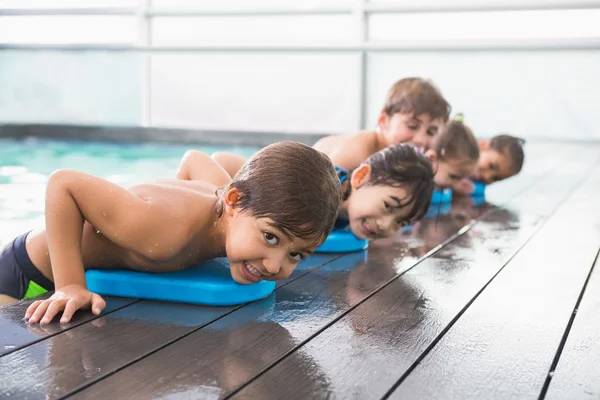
(104, 213)
(155, 244)
(150, 250)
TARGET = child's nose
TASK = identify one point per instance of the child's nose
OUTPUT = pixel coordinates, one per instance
(273, 264)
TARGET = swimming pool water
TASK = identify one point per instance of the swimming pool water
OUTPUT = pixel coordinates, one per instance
(26, 164)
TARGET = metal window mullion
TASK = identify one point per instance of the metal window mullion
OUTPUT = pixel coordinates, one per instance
(145, 41)
(444, 6)
(362, 38)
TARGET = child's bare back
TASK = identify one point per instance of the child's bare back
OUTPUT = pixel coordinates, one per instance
(186, 208)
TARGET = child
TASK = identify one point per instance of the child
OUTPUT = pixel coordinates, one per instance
(388, 191)
(455, 154)
(500, 158)
(278, 209)
(391, 189)
(414, 112)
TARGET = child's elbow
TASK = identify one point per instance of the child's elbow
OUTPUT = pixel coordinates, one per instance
(61, 177)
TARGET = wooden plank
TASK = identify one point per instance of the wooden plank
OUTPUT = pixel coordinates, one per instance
(218, 358)
(577, 375)
(364, 353)
(221, 356)
(504, 343)
(15, 333)
(68, 361)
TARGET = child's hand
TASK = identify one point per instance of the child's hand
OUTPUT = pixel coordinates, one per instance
(69, 298)
(464, 187)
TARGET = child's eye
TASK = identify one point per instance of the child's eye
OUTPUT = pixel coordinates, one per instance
(270, 238)
(431, 132)
(413, 127)
(296, 256)
(401, 223)
(387, 206)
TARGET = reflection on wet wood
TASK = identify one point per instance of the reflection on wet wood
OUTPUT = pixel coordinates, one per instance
(504, 344)
(15, 333)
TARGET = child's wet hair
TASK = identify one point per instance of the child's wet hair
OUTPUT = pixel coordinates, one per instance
(417, 96)
(295, 186)
(456, 142)
(403, 166)
(512, 147)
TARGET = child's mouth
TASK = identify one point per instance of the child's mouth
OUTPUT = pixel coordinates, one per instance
(250, 273)
(366, 230)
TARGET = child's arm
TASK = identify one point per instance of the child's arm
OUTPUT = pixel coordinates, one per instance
(232, 163)
(127, 220)
(196, 165)
(348, 151)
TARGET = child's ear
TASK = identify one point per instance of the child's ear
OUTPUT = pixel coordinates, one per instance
(383, 122)
(484, 144)
(360, 176)
(431, 155)
(230, 199)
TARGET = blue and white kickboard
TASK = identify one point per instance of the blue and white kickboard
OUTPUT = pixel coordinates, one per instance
(479, 189)
(209, 283)
(441, 196)
(342, 241)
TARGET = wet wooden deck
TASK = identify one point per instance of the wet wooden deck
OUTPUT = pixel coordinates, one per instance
(494, 301)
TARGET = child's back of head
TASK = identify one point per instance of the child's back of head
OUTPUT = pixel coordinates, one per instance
(501, 157)
(389, 190)
(456, 153)
(413, 112)
(403, 166)
(295, 186)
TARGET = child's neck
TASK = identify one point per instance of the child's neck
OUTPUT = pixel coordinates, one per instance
(217, 234)
(382, 139)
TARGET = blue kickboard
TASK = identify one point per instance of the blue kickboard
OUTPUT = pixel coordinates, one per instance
(479, 189)
(441, 196)
(209, 283)
(342, 241)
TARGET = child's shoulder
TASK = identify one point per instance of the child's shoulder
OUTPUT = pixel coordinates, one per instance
(362, 138)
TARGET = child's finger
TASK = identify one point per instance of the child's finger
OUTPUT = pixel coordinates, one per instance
(40, 310)
(70, 309)
(52, 310)
(98, 304)
(31, 309)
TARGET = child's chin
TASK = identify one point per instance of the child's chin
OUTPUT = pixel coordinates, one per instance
(359, 234)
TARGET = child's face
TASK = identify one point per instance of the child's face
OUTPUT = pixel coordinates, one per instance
(449, 173)
(258, 251)
(493, 166)
(419, 130)
(373, 210)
